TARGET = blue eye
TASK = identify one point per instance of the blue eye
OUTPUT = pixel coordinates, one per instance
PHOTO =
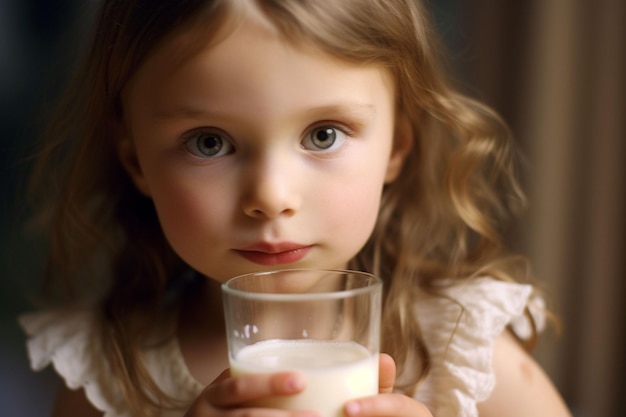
(323, 138)
(208, 145)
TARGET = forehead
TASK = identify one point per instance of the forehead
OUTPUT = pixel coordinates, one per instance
(249, 57)
(204, 29)
(210, 28)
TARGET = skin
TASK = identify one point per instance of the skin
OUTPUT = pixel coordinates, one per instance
(270, 184)
(262, 99)
(522, 389)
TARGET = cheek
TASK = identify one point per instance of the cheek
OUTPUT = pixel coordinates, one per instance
(190, 219)
(352, 212)
(354, 202)
(178, 211)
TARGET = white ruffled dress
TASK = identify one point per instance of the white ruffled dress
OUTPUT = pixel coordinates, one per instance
(459, 332)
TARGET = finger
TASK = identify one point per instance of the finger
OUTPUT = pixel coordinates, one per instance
(240, 389)
(386, 373)
(248, 412)
(397, 405)
(225, 374)
(203, 409)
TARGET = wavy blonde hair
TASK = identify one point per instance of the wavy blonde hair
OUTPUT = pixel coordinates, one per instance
(443, 217)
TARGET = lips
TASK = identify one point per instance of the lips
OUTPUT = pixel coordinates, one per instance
(274, 253)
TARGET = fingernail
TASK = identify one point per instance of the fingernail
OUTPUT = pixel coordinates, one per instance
(295, 383)
(353, 408)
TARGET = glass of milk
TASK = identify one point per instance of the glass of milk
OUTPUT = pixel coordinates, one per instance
(324, 324)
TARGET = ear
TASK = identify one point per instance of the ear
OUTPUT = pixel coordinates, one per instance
(403, 139)
(127, 154)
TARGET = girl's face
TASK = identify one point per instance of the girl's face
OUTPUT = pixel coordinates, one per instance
(259, 154)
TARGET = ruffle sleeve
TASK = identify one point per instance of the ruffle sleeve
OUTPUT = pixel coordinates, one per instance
(69, 340)
(459, 330)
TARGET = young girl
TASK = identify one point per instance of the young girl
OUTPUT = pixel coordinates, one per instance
(207, 139)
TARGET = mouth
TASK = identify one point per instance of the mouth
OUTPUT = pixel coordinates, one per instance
(274, 254)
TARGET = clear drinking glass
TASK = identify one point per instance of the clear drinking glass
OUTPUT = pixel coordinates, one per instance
(324, 324)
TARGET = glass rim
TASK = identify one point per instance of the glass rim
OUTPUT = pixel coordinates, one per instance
(375, 284)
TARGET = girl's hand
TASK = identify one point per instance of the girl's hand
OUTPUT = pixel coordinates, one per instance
(227, 395)
(386, 404)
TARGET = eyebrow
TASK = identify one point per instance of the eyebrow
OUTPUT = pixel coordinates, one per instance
(350, 108)
(187, 111)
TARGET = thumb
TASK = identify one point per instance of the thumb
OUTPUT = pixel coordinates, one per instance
(386, 373)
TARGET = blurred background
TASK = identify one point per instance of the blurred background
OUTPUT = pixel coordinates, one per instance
(555, 71)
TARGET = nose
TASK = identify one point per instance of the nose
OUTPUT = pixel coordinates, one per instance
(270, 189)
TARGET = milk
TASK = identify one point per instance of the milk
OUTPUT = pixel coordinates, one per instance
(335, 372)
